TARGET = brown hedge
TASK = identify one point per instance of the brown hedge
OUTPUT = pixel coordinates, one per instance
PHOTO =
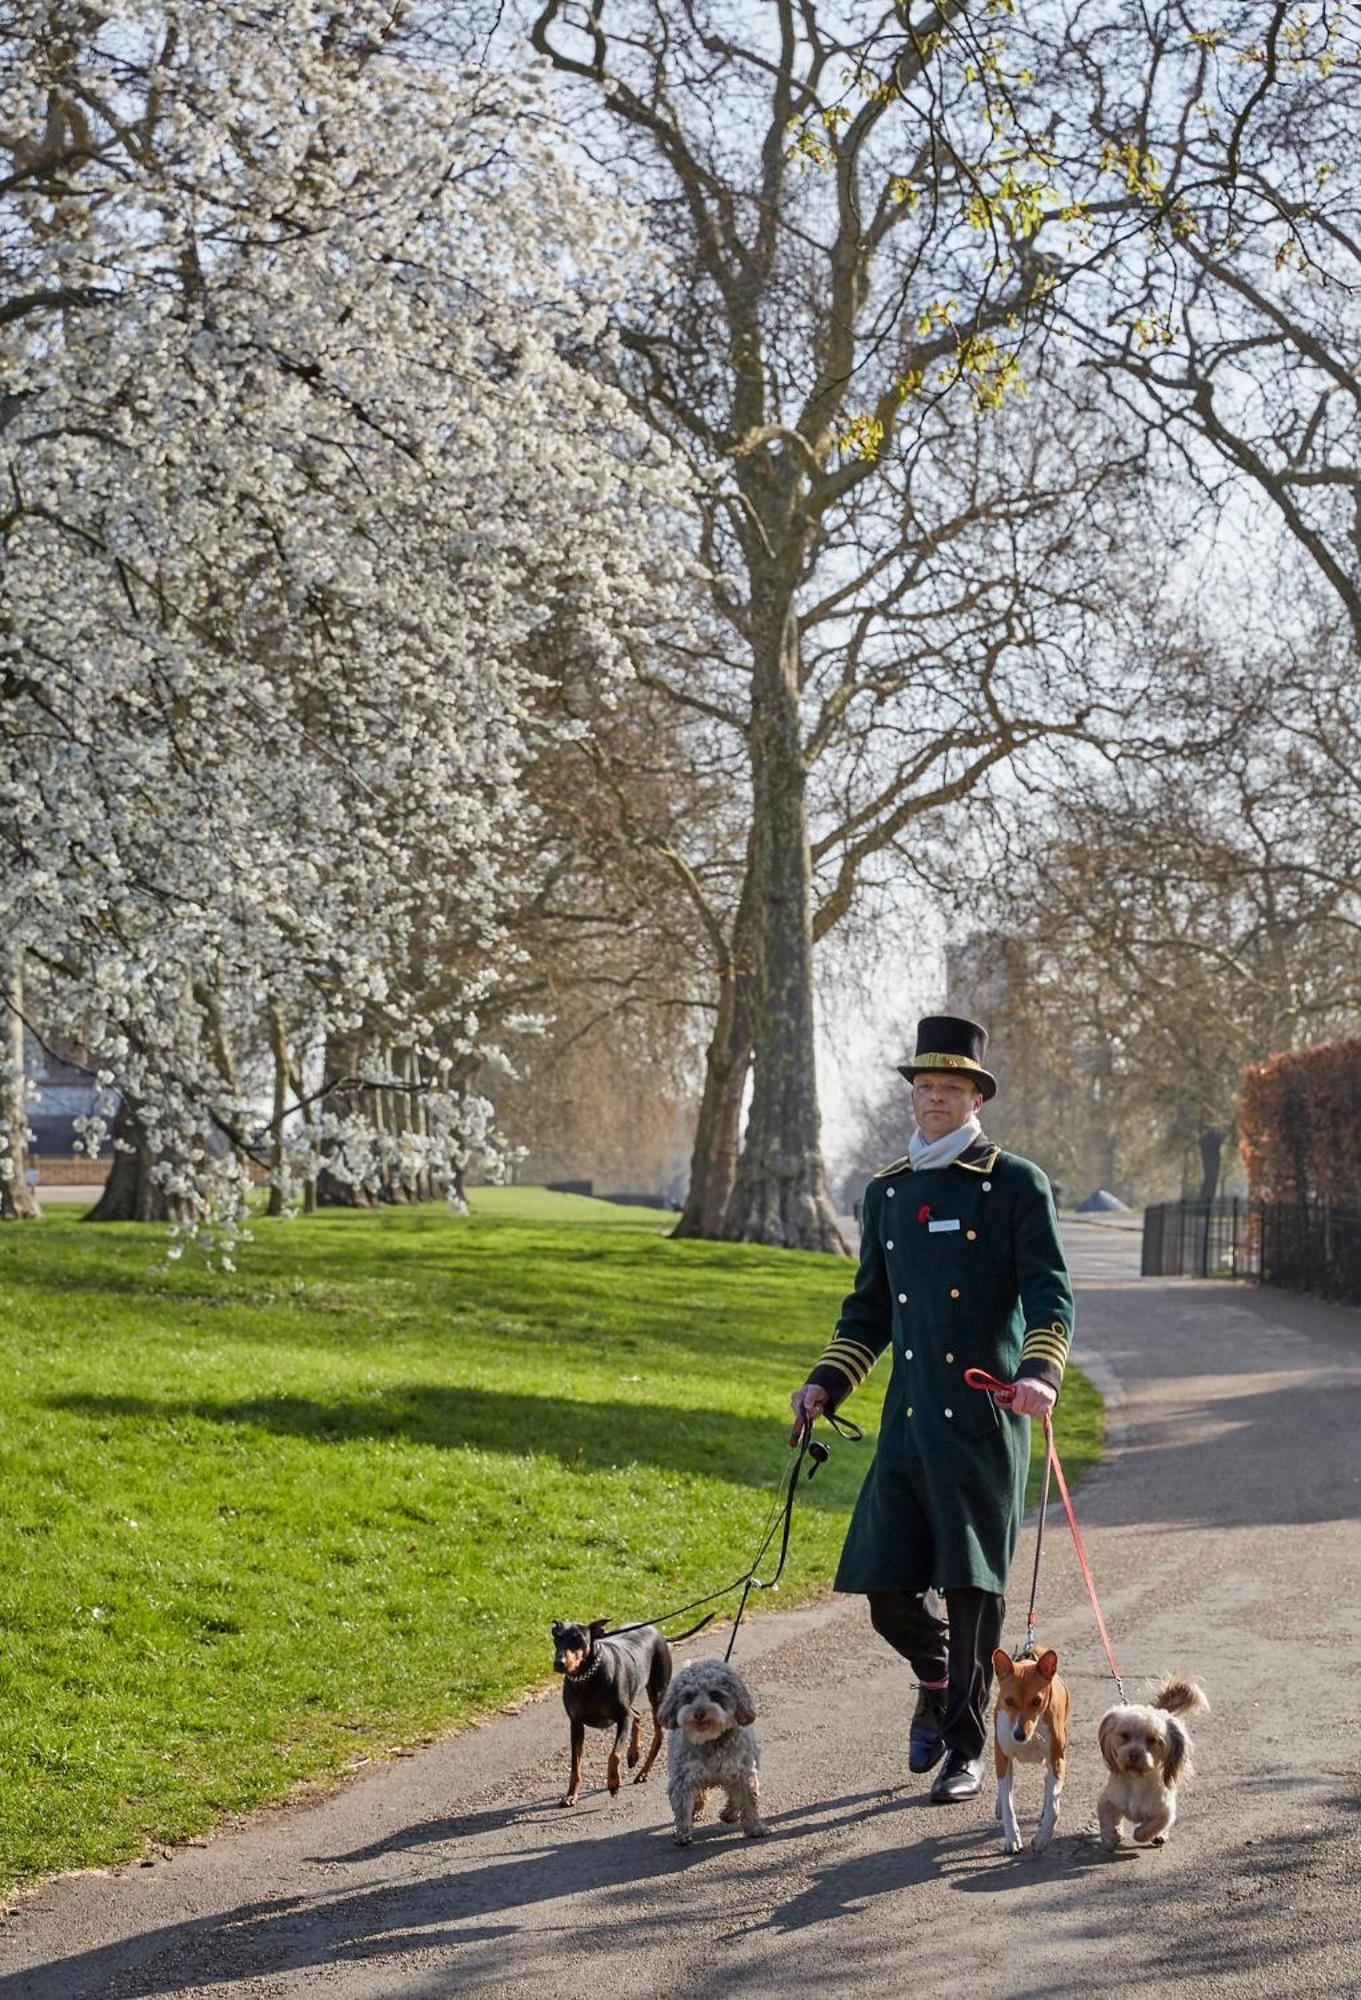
(1301, 1131)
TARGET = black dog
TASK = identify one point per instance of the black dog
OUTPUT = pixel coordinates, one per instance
(603, 1685)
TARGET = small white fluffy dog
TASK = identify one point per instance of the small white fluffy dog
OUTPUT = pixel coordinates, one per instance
(711, 1746)
(1147, 1753)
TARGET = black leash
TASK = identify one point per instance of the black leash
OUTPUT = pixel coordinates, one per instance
(779, 1521)
(1028, 1650)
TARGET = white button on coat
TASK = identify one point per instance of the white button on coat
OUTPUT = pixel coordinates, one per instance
(889, 1244)
(949, 1413)
(987, 1187)
(902, 1298)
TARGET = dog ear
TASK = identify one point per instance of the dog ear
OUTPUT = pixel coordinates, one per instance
(668, 1709)
(557, 1628)
(1175, 1756)
(1003, 1664)
(746, 1707)
(1048, 1664)
(1105, 1737)
(597, 1627)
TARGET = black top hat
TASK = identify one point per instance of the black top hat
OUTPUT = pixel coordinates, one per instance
(948, 1042)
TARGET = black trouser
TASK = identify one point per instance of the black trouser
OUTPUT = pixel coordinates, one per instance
(959, 1647)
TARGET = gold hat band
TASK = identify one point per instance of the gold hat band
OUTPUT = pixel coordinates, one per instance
(942, 1062)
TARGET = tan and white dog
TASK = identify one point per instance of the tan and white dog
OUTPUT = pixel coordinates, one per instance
(1030, 1727)
(1148, 1754)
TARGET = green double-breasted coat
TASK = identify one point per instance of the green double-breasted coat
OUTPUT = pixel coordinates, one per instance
(960, 1267)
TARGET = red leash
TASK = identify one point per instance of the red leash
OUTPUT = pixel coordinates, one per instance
(1005, 1392)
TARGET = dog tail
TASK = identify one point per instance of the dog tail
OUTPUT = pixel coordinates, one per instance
(1181, 1697)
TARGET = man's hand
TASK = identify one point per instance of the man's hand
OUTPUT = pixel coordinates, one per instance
(807, 1403)
(1033, 1398)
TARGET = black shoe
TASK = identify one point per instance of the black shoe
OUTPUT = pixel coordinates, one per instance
(925, 1744)
(962, 1778)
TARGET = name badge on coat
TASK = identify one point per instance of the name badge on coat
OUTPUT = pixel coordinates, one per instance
(935, 1228)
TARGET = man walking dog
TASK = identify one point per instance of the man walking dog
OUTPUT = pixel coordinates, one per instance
(961, 1266)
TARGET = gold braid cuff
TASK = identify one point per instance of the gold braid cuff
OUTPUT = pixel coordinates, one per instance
(849, 1357)
(1047, 1343)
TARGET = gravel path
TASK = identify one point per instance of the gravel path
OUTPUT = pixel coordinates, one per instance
(1223, 1532)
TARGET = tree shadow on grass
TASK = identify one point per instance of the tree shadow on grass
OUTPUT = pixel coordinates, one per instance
(591, 1437)
(626, 1297)
(335, 1312)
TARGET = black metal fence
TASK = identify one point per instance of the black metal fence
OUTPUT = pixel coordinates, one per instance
(1202, 1239)
(1314, 1247)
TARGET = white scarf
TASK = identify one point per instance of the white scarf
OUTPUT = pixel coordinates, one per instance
(927, 1153)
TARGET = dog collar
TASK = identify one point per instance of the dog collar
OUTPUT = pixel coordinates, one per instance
(586, 1672)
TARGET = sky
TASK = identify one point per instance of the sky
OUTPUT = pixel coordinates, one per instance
(862, 1024)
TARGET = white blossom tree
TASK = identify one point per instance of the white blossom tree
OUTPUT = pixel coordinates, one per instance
(302, 441)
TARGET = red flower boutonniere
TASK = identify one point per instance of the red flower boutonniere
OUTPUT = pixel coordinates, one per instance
(924, 1212)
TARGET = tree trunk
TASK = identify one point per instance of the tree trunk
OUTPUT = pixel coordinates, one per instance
(333, 1192)
(429, 1186)
(309, 1186)
(279, 1044)
(18, 1202)
(1211, 1158)
(389, 1108)
(718, 1134)
(341, 1058)
(780, 1194)
(130, 1194)
(419, 1179)
(396, 1123)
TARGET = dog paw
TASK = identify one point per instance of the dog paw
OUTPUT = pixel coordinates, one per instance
(569, 1800)
(684, 1839)
(641, 1778)
(1039, 1843)
(757, 1830)
(634, 1758)
(1012, 1844)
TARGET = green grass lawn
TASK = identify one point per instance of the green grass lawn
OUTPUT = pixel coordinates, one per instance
(259, 1525)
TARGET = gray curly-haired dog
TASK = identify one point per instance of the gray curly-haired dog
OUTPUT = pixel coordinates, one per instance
(711, 1746)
